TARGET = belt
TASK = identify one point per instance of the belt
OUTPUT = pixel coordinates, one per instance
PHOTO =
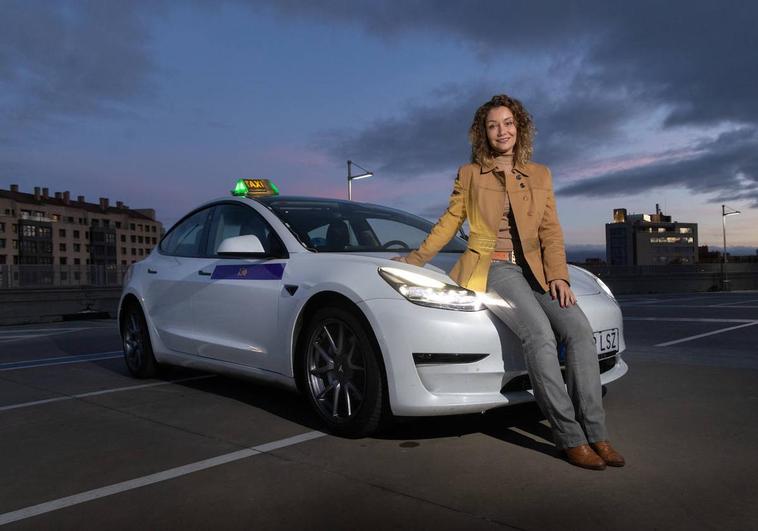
(504, 256)
(482, 243)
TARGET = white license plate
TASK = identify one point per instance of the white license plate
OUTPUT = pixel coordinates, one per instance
(606, 340)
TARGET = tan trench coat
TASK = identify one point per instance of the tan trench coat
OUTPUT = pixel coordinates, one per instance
(479, 196)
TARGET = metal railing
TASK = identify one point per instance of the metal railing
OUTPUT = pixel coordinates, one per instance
(61, 276)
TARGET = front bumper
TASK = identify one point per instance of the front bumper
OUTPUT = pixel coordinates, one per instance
(403, 328)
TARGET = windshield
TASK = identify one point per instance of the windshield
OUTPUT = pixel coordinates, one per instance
(338, 226)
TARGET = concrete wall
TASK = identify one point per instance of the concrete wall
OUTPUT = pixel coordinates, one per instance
(679, 283)
(676, 279)
(20, 306)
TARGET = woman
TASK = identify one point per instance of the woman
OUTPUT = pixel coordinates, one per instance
(516, 253)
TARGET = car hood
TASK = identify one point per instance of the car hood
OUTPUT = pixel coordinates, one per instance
(442, 263)
(582, 281)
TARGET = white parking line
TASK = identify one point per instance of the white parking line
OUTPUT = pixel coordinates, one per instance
(646, 302)
(37, 330)
(689, 319)
(669, 343)
(12, 335)
(8, 339)
(59, 360)
(116, 488)
(709, 306)
(56, 358)
(738, 303)
(103, 392)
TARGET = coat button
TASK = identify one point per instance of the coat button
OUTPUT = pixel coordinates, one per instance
(523, 185)
(518, 177)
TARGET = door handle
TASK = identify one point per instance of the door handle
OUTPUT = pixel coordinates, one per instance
(204, 273)
(152, 271)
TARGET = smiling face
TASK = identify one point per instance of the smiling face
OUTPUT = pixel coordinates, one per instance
(501, 130)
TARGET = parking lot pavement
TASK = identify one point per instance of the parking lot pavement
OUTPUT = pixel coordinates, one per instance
(713, 329)
(84, 446)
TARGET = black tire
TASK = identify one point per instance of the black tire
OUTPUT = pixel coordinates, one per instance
(340, 373)
(135, 339)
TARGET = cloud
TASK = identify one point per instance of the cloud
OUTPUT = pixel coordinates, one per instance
(518, 25)
(670, 65)
(694, 57)
(62, 59)
(426, 138)
(725, 168)
(431, 136)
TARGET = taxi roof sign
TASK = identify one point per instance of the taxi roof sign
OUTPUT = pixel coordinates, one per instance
(254, 188)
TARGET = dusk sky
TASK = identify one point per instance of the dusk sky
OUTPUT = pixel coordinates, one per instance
(165, 104)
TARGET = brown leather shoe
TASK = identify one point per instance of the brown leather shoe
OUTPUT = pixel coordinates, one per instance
(585, 457)
(608, 454)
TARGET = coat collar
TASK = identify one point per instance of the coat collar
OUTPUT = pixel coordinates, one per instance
(520, 168)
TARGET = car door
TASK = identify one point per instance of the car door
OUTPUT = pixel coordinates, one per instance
(172, 279)
(237, 304)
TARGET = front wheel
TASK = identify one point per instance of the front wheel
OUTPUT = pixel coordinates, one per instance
(341, 373)
(138, 351)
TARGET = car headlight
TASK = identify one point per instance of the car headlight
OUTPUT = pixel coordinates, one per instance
(427, 291)
(604, 287)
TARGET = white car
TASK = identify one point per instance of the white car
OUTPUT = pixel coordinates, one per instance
(300, 292)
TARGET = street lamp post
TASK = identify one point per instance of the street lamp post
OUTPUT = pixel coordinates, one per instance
(724, 214)
(351, 177)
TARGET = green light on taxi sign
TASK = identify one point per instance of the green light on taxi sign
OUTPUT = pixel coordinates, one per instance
(254, 187)
(240, 188)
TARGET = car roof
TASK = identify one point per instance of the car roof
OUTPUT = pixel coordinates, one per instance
(295, 199)
(301, 199)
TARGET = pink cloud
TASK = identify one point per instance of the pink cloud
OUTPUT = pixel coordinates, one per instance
(626, 162)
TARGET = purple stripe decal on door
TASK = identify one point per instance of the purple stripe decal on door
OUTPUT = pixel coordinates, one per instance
(248, 272)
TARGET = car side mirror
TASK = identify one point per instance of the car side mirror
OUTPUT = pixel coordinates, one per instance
(247, 245)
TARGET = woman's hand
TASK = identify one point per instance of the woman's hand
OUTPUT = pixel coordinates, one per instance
(399, 259)
(559, 289)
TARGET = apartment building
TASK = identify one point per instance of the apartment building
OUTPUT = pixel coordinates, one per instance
(38, 228)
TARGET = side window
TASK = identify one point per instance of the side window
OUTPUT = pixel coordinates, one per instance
(337, 235)
(238, 220)
(185, 238)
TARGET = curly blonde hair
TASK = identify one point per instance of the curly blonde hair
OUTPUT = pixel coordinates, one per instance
(481, 151)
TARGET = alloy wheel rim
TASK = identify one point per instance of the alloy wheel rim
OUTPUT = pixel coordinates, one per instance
(133, 347)
(336, 370)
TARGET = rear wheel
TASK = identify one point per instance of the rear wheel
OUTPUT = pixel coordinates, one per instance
(341, 373)
(138, 351)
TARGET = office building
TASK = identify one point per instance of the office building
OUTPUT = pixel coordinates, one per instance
(649, 239)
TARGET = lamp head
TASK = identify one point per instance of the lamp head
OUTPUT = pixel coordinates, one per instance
(364, 175)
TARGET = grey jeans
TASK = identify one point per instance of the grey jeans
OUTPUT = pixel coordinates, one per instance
(574, 410)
